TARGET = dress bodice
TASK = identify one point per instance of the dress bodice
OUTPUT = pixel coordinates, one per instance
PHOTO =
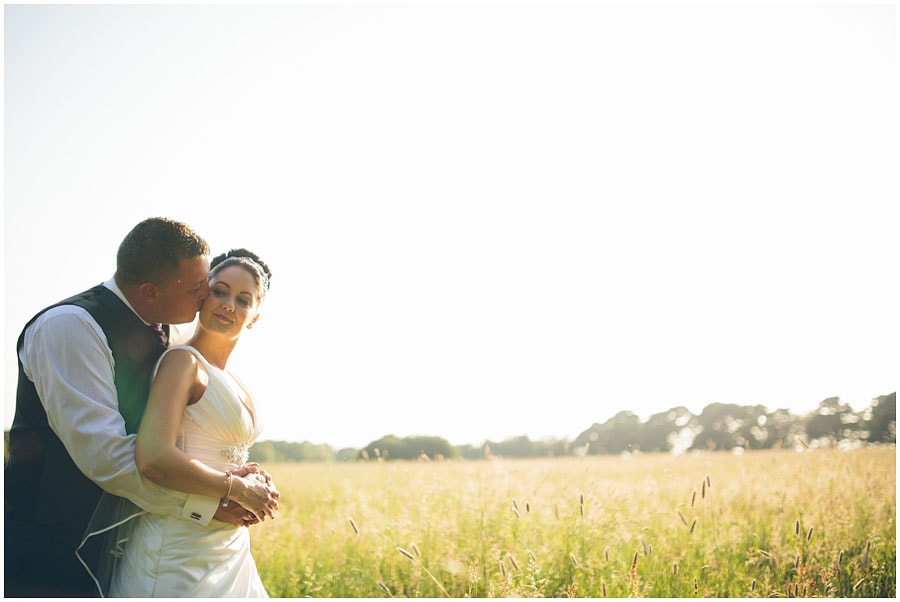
(221, 426)
(161, 555)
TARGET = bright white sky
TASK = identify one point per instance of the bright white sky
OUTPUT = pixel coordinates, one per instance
(483, 222)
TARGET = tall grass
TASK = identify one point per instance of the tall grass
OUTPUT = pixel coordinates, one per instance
(779, 523)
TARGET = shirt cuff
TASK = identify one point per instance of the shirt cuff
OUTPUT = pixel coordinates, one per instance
(199, 508)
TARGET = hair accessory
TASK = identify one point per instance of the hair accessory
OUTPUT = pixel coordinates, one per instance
(249, 262)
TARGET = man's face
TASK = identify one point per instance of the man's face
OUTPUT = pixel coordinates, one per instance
(181, 297)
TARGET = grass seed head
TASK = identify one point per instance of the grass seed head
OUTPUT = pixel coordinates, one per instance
(353, 524)
(809, 534)
(574, 560)
(693, 524)
(406, 553)
(681, 516)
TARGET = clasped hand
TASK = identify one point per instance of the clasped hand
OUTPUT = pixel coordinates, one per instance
(253, 497)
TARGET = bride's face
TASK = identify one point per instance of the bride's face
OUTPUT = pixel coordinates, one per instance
(233, 301)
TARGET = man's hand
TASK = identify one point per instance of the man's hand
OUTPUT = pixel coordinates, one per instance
(236, 515)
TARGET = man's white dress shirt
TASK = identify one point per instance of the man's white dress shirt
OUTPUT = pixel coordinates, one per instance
(78, 392)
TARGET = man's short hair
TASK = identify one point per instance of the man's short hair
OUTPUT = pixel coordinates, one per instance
(153, 250)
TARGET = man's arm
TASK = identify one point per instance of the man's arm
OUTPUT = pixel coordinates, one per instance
(66, 356)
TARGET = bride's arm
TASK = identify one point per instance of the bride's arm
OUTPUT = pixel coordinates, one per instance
(182, 379)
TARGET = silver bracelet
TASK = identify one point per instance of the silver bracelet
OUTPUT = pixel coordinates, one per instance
(224, 501)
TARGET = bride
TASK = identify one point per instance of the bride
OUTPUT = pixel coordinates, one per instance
(197, 429)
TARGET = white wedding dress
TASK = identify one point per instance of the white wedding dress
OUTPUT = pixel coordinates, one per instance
(171, 558)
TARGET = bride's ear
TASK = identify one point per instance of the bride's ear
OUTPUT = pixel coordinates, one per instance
(253, 321)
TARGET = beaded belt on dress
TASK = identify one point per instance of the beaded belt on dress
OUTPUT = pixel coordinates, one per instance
(237, 454)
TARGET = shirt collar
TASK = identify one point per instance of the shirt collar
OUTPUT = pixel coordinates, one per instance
(111, 285)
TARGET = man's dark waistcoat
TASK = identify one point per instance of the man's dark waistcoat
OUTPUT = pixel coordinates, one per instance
(48, 500)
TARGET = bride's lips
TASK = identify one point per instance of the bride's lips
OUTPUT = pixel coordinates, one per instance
(222, 318)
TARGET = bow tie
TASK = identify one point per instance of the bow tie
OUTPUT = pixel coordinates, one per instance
(160, 334)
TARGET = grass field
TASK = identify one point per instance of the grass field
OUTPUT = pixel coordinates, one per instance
(779, 523)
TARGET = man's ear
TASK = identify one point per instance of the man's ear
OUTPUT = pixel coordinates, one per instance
(148, 291)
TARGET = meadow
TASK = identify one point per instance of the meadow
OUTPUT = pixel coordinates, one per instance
(762, 524)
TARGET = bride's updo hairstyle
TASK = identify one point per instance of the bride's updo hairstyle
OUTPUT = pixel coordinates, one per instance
(248, 260)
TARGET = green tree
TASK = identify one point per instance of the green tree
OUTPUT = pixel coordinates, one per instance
(516, 447)
(881, 419)
(657, 433)
(392, 447)
(618, 434)
(721, 425)
(833, 421)
(290, 451)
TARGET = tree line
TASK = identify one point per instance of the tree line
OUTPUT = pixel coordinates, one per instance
(720, 426)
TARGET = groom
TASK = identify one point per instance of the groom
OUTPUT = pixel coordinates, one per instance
(84, 375)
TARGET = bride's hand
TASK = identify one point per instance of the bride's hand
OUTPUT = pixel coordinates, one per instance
(264, 477)
(255, 494)
(252, 469)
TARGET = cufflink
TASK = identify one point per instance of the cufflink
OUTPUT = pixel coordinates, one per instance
(195, 516)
